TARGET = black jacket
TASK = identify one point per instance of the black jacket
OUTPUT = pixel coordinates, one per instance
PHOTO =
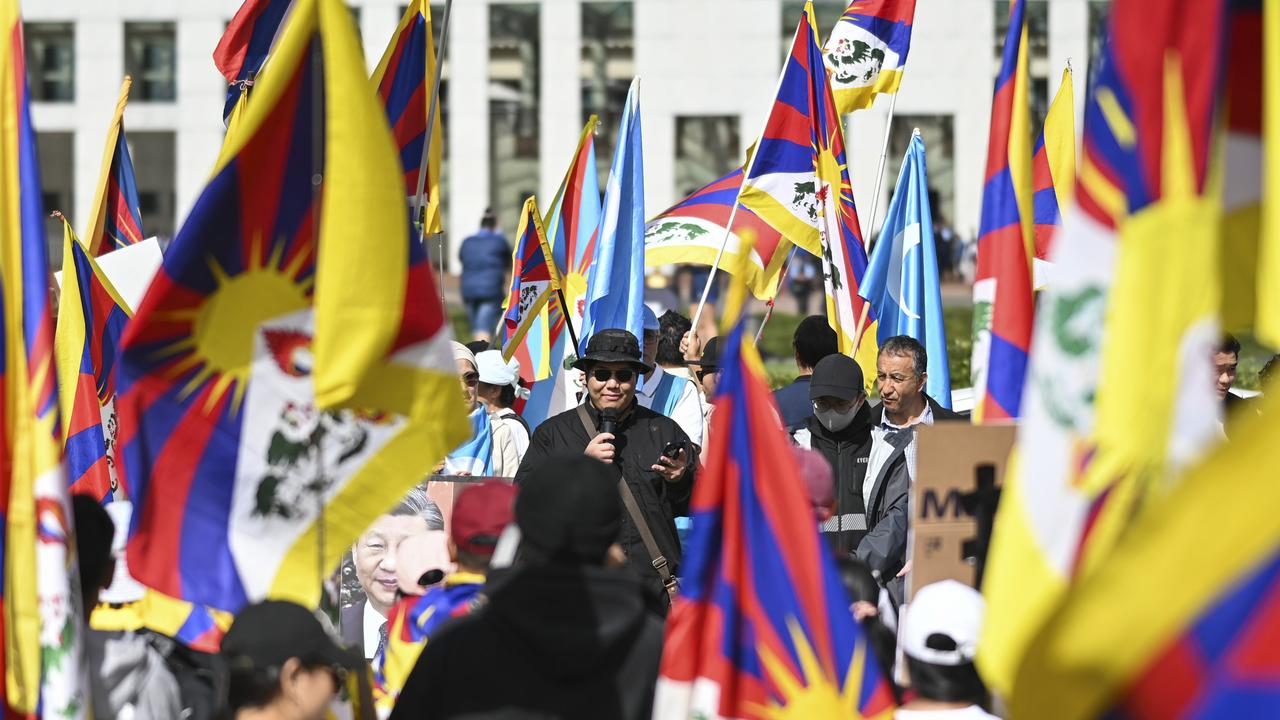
(640, 438)
(846, 451)
(552, 642)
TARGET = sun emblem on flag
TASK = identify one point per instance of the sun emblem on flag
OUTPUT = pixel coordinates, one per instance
(215, 338)
(815, 693)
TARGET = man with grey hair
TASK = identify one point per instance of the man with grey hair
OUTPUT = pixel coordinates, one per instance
(364, 623)
(901, 373)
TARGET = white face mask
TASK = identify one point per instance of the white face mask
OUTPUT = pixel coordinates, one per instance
(837, 421)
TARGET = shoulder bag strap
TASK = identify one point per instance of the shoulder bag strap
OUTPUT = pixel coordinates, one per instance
(659, 562)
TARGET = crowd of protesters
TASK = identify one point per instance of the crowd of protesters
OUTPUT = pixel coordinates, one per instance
(547, 594)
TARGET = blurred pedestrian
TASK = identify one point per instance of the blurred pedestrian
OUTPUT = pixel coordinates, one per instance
(904, 405)
(813, 340)
(565, 634)
(486, 262)
(664, 392)
(281, 664)
(497, 390)
(940, 630)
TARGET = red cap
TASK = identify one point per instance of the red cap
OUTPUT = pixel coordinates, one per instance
(480, 514)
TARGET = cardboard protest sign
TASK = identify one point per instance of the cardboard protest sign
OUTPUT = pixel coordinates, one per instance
(954, 460)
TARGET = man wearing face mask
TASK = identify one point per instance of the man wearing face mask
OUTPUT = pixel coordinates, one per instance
(870, 520)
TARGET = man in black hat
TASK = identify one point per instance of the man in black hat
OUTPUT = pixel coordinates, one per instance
(646, 450)
(565, 632)
(282, 664)
(871, 509)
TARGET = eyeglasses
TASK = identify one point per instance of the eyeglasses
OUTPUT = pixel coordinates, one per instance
(895, 378)
(624, 375)
(470, 379)
(822, 404)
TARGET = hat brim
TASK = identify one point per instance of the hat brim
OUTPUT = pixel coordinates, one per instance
(835, 391)
(589, 359)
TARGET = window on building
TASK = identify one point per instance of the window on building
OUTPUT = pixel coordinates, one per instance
(150, 56)
(514, 67)
(608, 65)
(938, 133)
(825, 13)
(51, 61)
(707, 147)
(56, 151)
(154, 167)
(1037, 28)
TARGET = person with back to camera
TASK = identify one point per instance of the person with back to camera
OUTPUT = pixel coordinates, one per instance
(940, 630)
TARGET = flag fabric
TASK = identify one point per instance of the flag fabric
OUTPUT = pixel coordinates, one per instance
(691, 232)
(475, 456)
(40, 621)
(91, 319)
(116, 218)
(902, 280)
(404, 80)
(196, 626)
(867, 51)
(534, 280)
(1267, 322)
(244, 45)
(1129, 277)
(762, 627)
(1002, 298)
(571, 224)
(798, 182)
(1053, 169)
(615, 283)
(1206, 650)
(264, 326)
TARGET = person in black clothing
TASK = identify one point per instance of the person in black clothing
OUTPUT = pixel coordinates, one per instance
(648, 450)
(813, 340)
(564, 633)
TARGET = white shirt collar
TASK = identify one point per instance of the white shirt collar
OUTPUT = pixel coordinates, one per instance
(372, 622)
(650, 386)
(924, 418)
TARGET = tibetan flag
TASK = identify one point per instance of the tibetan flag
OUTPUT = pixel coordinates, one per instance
(534, 280)
(798, 182)
(1002, 302)
(116, 219)
(691, 231)
(244, 46)
(867, 51)
(1130, 276)
(91, 319)
(265, 324)
(615, 284)
(1198, 644)
(1053, 174)
(571, 223)
(195, 626)
(761, 628)
(403, 80)
(1268, 301)
(902, 280)
(41, 661)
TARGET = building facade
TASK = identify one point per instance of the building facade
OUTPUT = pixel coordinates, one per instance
(520, 80)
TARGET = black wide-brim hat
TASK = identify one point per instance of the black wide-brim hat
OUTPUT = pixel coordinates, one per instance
(613, 346)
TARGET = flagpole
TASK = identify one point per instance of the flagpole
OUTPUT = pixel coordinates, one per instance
(568, 323)
(782, 277)
(426, 142)
(737, 199)
(884, 154)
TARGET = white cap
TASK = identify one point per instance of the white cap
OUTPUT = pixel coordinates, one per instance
(460, 352)
(947, 608)
(494, 371)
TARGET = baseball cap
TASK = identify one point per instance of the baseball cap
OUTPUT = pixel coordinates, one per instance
(941, 624)
(494, 370)
(480, 514)
(651, 320)
(819, 481)
(267, 634)
(422, 560)
(836, 376)
(568, 507)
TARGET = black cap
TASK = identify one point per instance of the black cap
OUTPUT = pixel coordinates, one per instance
(267, 634)
(710, 361)
(836, 376)
(613, 346)
(568, 508)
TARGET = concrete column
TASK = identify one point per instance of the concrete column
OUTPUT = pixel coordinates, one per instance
(1069, 38)
(560, 107)
(99, 71)
(468, 138)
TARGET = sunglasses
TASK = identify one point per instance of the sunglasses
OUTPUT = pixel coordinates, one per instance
(470, 379)
(624, 375)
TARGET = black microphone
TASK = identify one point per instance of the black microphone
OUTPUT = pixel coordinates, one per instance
(608, 421)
